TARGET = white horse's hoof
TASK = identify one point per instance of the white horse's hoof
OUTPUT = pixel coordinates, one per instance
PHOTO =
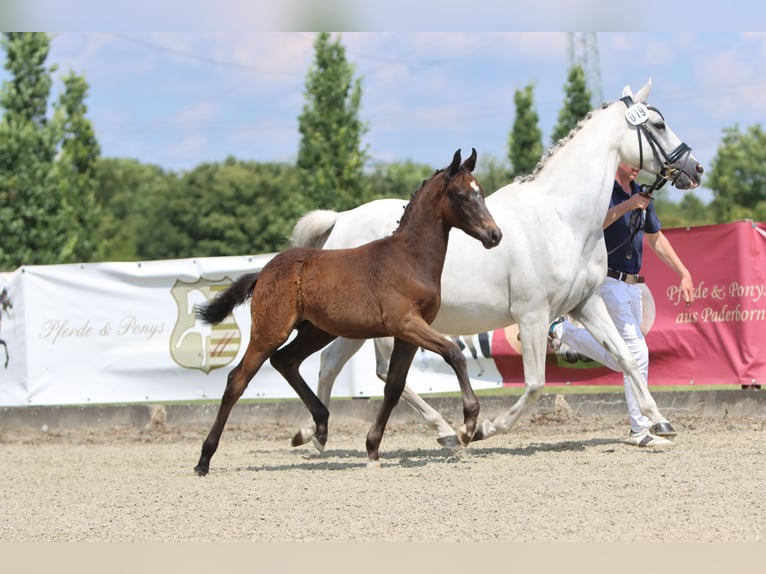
(485, 430)
(663, 429)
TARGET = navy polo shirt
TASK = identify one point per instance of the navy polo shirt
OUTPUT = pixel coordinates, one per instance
(625, 254)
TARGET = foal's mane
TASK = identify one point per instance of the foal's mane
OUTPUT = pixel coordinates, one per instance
(557, 146)
(408, 207)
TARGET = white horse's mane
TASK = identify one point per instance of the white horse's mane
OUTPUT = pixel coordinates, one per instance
(557, 146)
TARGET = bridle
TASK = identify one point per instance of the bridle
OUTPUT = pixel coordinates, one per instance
(636, 115)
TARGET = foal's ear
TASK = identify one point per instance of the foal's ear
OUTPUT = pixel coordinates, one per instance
(470, 163)
(454, 167)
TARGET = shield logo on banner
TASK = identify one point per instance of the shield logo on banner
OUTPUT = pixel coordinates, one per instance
(193, 343)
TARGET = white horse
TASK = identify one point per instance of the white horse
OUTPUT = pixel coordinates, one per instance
(552, 261)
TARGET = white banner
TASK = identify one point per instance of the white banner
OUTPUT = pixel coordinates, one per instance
(126, 332)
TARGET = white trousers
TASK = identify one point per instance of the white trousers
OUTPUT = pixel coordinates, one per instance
(623, 301)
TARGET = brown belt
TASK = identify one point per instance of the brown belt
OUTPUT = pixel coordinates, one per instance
(627, 277)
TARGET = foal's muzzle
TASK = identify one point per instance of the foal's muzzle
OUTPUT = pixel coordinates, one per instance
(491, 238)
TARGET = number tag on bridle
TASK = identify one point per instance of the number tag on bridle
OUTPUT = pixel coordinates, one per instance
(637, 114)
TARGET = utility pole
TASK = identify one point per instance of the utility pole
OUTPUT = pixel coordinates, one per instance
(582, 49)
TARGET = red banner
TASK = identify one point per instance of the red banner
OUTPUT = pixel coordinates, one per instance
(720, 339)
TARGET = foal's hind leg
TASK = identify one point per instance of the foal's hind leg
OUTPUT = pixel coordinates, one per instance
(288, 359)
(236, 384)
(400, 362)
(331, 361)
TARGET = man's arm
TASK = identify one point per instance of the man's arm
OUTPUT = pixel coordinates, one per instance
(635, 201)
(664, 250)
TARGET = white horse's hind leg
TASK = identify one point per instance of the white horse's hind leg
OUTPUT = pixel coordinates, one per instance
(594, 316)
(384, 346)
(331, 362)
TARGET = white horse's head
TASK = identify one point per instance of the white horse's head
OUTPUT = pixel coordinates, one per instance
(650, 144)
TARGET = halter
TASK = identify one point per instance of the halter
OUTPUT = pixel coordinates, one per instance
(637, 116)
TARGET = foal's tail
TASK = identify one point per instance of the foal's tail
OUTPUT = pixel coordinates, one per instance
(313, 229)
(215, 311)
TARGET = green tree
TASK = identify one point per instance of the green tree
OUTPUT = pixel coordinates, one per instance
(330, 156)
(738, 174)
(492, 173)
(235, 208)
(526, 140)
(576, 103)
(76, 167)
(48, 209)
(32, 219)
(397, 179)
(129, 193)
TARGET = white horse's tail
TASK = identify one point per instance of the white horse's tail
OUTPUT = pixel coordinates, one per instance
(313, 229)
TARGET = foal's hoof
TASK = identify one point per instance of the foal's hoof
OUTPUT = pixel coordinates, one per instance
(450, 441)
(485, 430)
(373, 463)
(663, 429)
(201, 470)
(466, 438)
(302, 437)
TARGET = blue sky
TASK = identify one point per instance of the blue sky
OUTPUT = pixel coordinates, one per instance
(177, 99)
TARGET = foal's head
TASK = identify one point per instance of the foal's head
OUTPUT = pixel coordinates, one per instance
(463, 203)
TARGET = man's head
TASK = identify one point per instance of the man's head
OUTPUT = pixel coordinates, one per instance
(626, 172)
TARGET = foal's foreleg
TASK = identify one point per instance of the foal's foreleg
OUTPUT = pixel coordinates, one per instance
(7, 356)
(423, 335)
(400, 362)
(446, 435)
(236, 384)
(287, 361)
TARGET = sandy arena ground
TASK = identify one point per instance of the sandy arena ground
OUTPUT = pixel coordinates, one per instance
(550, 479)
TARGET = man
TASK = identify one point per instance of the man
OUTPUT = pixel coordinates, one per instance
(630, 218)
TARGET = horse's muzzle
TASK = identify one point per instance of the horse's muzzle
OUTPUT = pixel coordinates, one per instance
(688, 178)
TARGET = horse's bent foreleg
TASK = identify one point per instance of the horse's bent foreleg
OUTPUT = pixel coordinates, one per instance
(287, 361)
(236, 384)
(401, 359)
(331, 362)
